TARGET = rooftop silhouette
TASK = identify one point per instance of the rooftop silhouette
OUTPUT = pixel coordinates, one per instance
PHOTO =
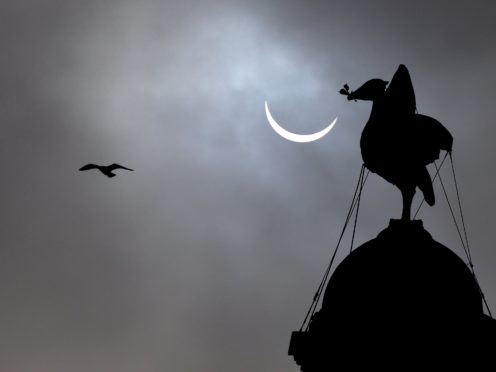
(401, 296)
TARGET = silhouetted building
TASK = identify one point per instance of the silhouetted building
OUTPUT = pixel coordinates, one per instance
(401, 299)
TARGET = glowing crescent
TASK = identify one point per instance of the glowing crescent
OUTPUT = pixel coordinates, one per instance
(293, 136)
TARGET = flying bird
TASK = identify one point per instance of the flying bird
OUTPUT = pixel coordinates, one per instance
(397, 143)
(105, 169)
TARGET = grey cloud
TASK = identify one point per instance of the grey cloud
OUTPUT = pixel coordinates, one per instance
(206, 257)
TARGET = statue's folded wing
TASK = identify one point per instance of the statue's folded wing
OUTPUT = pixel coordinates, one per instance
(431, 136)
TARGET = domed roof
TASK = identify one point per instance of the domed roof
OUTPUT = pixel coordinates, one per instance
(401, 297)
(403, 272)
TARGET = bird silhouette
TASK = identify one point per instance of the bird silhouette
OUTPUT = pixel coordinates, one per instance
(105, 169)
(397, 143)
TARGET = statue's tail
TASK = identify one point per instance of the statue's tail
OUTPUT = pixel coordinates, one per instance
(424, 183)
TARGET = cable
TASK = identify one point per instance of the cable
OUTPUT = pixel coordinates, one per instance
(435, 176)
(465, 248)
(460, 206)
(357, 209)
(469, 255)
(453, 215)
(318, 293)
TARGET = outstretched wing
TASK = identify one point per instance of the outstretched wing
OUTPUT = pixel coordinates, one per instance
(88, 167)
(117, 166)
(400, 97)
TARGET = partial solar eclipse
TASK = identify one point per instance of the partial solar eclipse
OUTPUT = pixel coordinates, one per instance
(302, 138)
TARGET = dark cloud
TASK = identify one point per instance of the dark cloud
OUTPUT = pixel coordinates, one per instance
(206, 257)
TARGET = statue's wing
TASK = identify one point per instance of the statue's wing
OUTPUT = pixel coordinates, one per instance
(400, 96)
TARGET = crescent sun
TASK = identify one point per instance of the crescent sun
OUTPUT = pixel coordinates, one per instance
(293, 136)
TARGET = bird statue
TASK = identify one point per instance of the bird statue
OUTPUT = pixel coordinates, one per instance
(105, 169)
(397, 143)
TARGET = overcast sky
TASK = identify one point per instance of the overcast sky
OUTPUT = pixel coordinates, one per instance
(207, 256)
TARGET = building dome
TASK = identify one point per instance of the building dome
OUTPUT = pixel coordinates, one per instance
(403, 273)
(399, 297)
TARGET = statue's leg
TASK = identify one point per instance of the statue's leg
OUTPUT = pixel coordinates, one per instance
(424, 183)
(407, 193)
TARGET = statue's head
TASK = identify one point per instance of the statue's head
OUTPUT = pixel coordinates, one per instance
(369, 91)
